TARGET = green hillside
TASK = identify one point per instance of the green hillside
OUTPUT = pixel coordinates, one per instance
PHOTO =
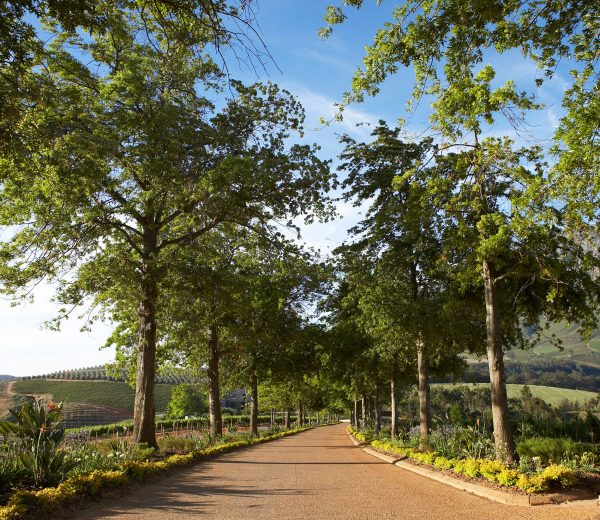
(107, 393)
(550, 394)
(573, 346)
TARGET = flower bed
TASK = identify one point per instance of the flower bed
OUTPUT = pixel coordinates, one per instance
(491, 470)
(25, 504)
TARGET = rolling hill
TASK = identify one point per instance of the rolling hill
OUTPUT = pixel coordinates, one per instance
(89, 403)
(552, 395)
(105, 393)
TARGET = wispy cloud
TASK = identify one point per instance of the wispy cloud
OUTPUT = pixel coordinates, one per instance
(326, 58)
(317, 106)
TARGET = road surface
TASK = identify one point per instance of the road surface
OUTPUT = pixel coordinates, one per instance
(318, 474)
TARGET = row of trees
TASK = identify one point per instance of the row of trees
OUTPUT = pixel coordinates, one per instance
(157, 191)
(467, 236)
(165, 375)
(154, 189)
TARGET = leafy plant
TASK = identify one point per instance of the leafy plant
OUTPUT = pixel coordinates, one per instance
(40, 435)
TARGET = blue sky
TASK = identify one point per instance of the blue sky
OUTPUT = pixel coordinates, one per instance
(317, 72)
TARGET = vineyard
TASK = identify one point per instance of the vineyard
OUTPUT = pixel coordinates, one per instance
(167, 375)
(112, 394)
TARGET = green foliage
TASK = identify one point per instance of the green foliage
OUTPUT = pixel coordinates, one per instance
(530, 480)
(186, 400)
(554, 450)
(463, 442)
(38, 430)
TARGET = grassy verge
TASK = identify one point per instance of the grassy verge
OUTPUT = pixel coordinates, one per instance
(25, 504)
(492, 470)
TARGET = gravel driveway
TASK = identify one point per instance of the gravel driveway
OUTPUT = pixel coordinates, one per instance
(318, 474)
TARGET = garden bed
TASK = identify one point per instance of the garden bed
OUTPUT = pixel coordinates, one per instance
(554, 484)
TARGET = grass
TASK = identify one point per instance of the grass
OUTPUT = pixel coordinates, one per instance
(106, 393)
(552, 395)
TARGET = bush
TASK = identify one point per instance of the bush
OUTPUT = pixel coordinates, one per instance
(541, 479)
(186, 400)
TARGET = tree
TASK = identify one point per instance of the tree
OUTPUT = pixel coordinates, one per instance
(226, 24)
(124, 162)
(444, 41)
(277, 283)
(185, 400)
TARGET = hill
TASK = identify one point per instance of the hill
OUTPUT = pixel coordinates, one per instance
(6, 377)
(167, 375)
(575, 364)
(105, 393)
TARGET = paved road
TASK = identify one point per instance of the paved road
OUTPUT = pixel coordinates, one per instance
(318, 474)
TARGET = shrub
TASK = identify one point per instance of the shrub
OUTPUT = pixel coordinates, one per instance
(490, 469)
(444, 463)
(548, 449)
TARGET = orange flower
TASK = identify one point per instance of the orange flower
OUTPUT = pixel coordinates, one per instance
(52, 406)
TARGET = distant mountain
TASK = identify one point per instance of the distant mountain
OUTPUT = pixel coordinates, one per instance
(6, 377)
(574, 364)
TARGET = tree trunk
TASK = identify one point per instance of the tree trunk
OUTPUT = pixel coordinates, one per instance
(364, 412)
(377, 408)
(424, 398)
(286, 420)
(143, 408)
(214, 387)
(394, 401)
(503, 435)
(254, 411)
(356, 424)
(300, 418)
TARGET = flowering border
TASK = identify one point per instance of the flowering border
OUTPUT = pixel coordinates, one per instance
(491, 470)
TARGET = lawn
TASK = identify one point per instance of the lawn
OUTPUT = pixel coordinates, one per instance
(107, 393)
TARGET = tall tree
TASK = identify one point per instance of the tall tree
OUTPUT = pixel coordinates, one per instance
(124, 162)
(226, 24)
